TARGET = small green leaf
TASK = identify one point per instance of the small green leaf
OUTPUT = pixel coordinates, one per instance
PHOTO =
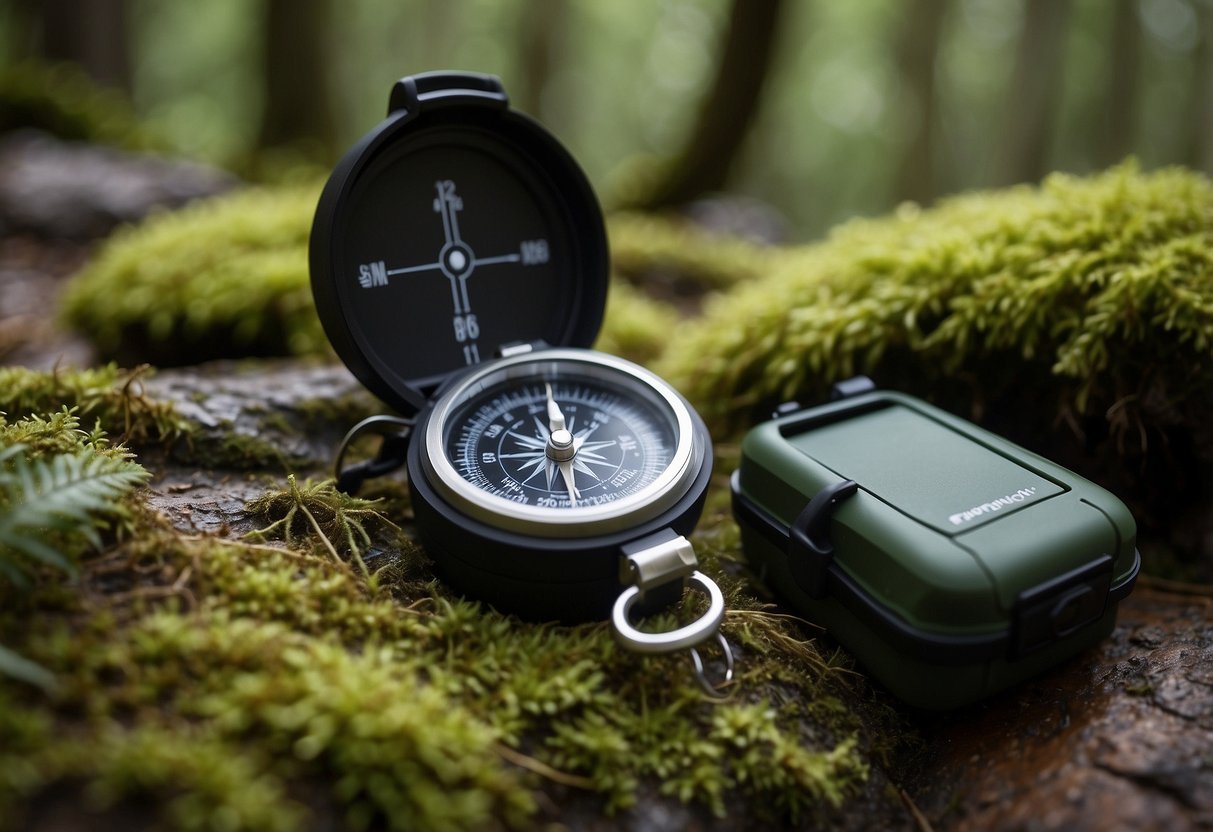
(22, 669)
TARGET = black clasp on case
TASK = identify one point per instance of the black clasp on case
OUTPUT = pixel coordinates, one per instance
(810, 551)
(851, 387)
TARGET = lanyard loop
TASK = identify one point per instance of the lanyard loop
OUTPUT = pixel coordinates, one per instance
(659, 563)
(392, 452)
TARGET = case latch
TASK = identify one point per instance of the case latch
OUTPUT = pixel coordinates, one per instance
(810, 551)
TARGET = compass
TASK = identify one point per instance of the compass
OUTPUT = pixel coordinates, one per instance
(459, 265)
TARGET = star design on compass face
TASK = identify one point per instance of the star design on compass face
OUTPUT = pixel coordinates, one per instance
(534, 459)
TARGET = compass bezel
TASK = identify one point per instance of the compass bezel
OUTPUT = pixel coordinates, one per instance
(577, 521)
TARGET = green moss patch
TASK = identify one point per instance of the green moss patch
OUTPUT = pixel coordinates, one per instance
(1088, 293)
(391, 703)
(63, 101)
(112, 398)
(225, 277)
(1075, 318)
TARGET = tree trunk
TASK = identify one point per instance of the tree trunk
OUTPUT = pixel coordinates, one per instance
(728, 109)
(543, 30)
(298, 109)
(917, 47)
(1120, 90)
(1198, 152)
(91, 33)
(1035, 90)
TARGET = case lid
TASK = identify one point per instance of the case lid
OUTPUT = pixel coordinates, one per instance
(925, 469)
(457, 225)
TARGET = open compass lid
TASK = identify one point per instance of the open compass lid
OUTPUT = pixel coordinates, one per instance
(455, 226)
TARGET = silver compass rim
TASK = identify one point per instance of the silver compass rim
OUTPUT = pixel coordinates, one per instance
(651, 501)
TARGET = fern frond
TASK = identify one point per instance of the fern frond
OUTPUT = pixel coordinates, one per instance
(59, 494)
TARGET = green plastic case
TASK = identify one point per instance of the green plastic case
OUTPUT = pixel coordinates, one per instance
(951, 562)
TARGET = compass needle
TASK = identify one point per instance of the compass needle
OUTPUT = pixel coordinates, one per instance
(566, 471)
(555, 417)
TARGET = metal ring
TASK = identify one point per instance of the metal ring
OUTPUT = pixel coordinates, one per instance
(401, 425)
(696, 632)
(711, 689)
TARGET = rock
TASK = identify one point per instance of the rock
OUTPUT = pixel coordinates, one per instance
(75, 191)
(1119, 738)
(253, 421)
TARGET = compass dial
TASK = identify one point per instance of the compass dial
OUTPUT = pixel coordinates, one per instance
(564, 441)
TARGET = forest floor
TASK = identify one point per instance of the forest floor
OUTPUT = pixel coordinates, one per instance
(1120, 737)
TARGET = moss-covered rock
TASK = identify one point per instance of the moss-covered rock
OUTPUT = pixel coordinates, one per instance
(210, 683)
(414, 709)
(1098, 289)
(63, 101)
(1075, 317)
(228, 278)
(220, 278)
(112, 398)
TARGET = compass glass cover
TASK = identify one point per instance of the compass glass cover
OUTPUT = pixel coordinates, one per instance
(498, 441)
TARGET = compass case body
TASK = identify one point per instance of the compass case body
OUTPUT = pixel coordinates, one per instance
(458, 231)
(951, 562)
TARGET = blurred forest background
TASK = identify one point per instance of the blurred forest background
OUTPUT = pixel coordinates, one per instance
(821, 109)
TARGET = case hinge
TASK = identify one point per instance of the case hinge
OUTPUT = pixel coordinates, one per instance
(648, 563)
(427, 89)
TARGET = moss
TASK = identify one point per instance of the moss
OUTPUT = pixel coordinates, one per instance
(1075, 318)
(63, 101)
(413, 708)
(1095, 290)
(112, 398)
(636, 327)
(337, 522)
(224, 277)
(228, 277)
(649, 247)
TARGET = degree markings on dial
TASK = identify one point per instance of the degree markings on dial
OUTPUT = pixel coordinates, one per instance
(528, 453)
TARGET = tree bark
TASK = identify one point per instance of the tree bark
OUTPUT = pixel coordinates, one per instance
(543, 27)
(1198, 152)
(91, 33)
(1035, 90)
(1120, 90)
(298, 108)
(726, 113)
(917, 47)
